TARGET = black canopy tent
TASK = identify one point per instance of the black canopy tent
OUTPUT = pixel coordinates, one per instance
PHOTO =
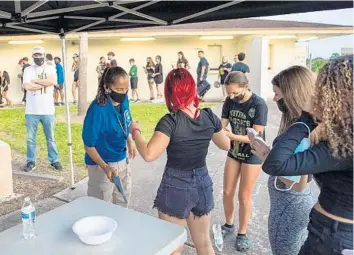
(64, 17)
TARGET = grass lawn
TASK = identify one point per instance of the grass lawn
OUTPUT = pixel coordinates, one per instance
(13, 131)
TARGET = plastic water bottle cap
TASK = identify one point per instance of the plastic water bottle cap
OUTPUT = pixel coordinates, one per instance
(27, 199)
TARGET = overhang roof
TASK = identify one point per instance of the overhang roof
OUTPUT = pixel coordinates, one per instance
(62, 17)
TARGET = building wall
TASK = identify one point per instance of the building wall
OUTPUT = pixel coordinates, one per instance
(346, 51)
(284, 55)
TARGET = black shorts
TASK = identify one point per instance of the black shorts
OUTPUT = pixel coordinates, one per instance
(158, 79)
(251, 160)
(5, 89)
(133, 82)
(149, 77)
(76, 76)
(59, 87)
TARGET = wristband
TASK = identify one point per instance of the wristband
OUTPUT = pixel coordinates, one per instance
(134, 130)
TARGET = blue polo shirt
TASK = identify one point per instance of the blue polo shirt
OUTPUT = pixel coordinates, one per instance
(60, 73)
(241, 67)
(102, 130)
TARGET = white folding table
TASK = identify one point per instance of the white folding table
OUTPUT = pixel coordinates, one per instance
(136, 234)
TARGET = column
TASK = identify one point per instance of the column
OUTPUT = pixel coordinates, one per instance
(258, 63)
(82, 106)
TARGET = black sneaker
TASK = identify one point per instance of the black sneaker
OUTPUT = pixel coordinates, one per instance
(62, 103)
(56, 104)
(56, 166)
(225, 230)
(30, 166)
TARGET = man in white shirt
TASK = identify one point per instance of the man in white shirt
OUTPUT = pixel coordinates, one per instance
(39, 80)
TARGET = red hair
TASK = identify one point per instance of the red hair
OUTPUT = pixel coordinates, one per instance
(180, 90)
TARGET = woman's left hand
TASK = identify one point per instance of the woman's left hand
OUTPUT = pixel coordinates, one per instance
(229, 134)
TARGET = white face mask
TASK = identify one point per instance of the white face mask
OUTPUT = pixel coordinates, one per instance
(304, 145)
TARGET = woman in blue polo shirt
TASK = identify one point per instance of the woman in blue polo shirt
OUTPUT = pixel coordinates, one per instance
(106, 137)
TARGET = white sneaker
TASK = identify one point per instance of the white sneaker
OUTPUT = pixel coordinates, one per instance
(158, 100)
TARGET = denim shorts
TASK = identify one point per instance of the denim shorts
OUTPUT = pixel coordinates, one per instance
(182, 192)
(327, 236)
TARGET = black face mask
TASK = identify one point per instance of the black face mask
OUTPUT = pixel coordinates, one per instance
(38, 61)
(239, 97)
(117, 97)
(282, 106)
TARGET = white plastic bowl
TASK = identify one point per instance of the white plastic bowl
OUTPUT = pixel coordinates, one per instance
(94, 230)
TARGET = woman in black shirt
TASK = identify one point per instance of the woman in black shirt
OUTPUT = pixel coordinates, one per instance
(158, 78)
(150, 70)
(330, 161)
(242, 109)
(182, 62)
(5, 83)
(185, 195)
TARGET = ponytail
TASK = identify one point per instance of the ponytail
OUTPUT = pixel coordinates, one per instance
(101, 96)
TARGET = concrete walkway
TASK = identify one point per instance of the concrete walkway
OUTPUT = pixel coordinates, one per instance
(147, 177)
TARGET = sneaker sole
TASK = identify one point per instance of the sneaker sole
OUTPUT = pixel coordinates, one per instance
(55, 168)
(30, 170)
(242, 250)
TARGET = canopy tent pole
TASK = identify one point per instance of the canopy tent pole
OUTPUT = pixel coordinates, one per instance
(67, 108)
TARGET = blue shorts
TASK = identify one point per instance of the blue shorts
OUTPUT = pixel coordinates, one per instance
(182, 192)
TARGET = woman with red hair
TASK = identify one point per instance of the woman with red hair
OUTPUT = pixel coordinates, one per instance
(185, 195)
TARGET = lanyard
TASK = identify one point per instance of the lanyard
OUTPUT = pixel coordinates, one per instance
(125, 131)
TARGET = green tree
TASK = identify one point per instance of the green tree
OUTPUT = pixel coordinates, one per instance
(334, 55)
(318, 63)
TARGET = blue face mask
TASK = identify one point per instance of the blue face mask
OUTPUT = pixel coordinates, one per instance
(303, 146)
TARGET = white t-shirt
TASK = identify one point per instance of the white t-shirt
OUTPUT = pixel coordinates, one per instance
(40, 102)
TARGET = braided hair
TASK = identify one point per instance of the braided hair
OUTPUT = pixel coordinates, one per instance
(107, 80)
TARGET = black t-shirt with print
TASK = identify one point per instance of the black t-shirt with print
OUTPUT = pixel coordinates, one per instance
(241, 116)
(223, 73)
(158, 69)
(189, 138)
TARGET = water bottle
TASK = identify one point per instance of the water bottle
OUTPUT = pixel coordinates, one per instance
(218, 239)
(28, 214)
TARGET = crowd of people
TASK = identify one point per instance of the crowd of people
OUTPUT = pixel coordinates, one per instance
(153, 71)
(315, 142)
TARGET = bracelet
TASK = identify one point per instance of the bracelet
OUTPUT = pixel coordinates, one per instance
(134, 130)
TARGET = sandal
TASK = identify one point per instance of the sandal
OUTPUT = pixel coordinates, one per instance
(242, 243)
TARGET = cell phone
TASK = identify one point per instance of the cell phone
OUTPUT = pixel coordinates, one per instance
(117, 181)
